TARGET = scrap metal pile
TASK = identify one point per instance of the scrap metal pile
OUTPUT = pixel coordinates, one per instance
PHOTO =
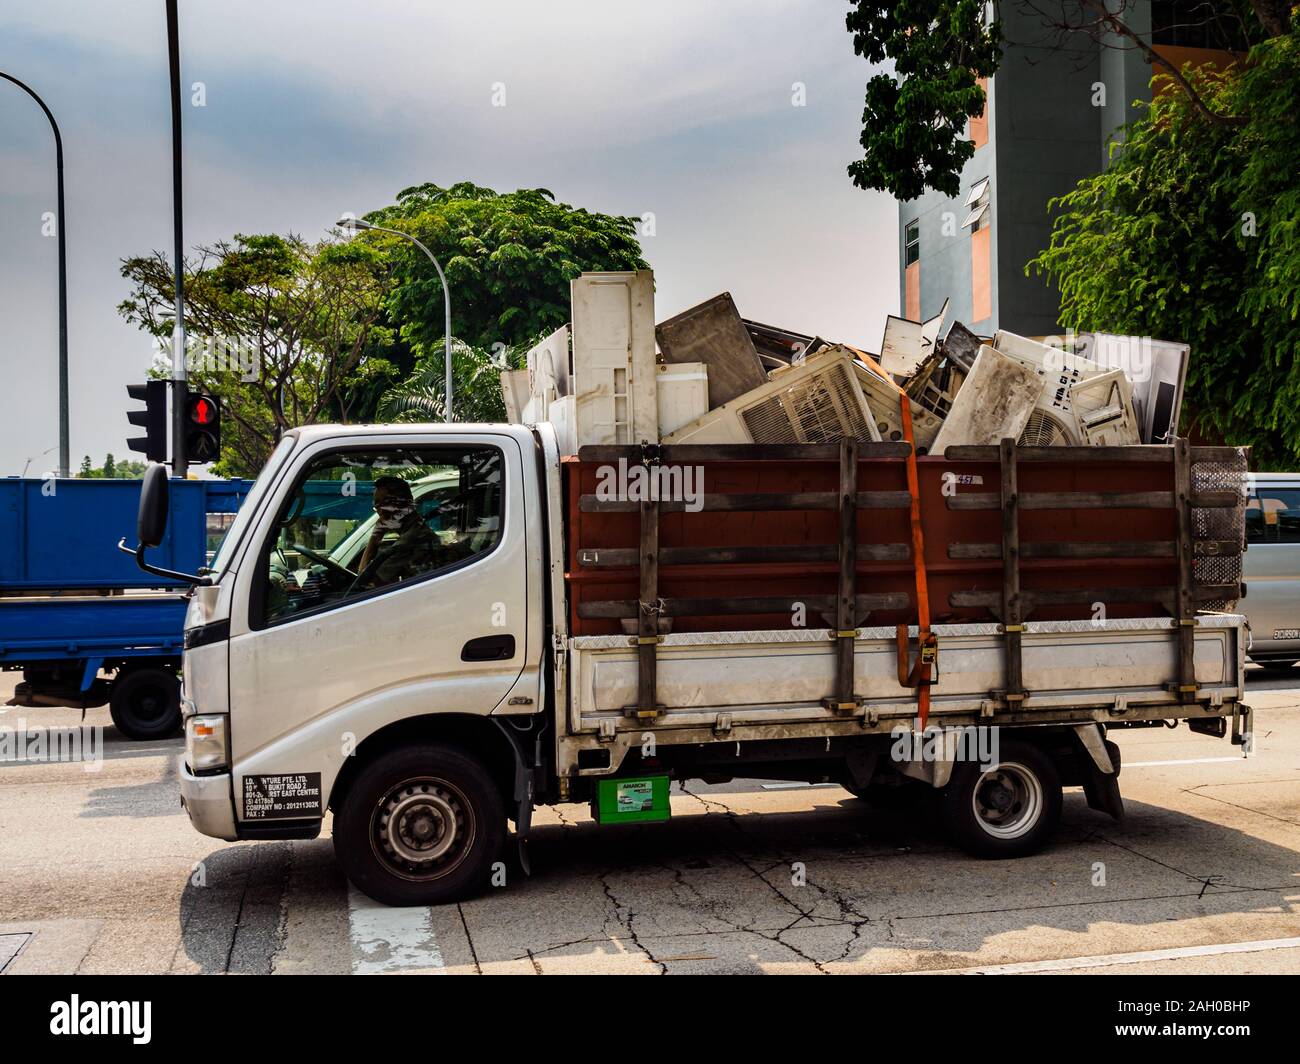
(707, 375)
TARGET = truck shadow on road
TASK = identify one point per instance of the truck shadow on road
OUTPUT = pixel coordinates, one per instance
(741, 887)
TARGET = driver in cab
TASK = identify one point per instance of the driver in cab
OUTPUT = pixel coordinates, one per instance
(413, 549)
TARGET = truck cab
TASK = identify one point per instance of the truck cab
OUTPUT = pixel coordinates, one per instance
(332, 628)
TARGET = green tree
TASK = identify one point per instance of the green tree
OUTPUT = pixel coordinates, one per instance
(914, 119)
(109, 472)
(87, 471)
(476, 381)
(508, 257)
(286, 332)
(1192, 233)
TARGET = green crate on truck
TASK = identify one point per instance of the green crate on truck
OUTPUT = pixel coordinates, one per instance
(631, 801)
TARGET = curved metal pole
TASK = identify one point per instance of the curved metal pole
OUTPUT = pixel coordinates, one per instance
(64, 456)
(446, 304)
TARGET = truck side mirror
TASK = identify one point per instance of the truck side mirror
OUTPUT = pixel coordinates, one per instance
(151, 522)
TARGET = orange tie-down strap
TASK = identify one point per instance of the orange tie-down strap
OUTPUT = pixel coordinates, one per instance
(927, 644)
(918, 674)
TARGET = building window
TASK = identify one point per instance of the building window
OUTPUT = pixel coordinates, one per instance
(978, 202)
(911, 242)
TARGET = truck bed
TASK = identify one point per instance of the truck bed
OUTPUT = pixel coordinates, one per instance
(1075, 671)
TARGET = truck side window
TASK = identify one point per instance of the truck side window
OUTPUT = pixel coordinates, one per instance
(1273, 516)
(359, 522)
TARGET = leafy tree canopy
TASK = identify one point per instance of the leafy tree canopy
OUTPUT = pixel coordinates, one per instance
(914, 120)
(508, 257)
(1193, 232)
(286, 332)
(914, 131)
(351, 330)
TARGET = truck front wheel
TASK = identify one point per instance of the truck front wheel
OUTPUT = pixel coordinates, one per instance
(1009, 810)
(420, 826)
(146, 703)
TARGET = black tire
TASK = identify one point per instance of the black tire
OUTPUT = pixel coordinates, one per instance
(1278, 664)
(1011, 811)
(146, 703)
(425, 787)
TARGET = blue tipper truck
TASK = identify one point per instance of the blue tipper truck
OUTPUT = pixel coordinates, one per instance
(73, 606)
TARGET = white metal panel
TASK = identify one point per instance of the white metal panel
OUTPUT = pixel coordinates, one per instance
(906, 343)
(548, 369)
(614, 358)
(514, 390)
(781, 677)
(683, 394)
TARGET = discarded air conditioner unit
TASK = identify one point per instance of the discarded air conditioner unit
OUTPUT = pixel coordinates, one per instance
(885, 401)
(1103, 410)
(936, 383)
(1157, 371)
(1052, 423)
(614, 380)
(996, 402)
(816, 400)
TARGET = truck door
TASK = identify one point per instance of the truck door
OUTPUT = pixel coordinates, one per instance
(392, 582)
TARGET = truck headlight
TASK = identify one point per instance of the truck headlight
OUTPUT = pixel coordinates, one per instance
(205, 744)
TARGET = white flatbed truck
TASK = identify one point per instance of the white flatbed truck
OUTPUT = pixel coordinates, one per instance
(430, 689)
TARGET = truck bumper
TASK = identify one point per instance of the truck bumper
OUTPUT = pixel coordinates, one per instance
(208, 802)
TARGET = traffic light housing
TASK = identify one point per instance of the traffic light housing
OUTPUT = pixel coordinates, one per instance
(202, 428)
(153, 419)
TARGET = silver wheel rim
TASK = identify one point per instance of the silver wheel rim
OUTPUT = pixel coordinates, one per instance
(422, 829)
(1007, 801)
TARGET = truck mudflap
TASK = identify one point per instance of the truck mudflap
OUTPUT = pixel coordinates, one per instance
(1100, 771)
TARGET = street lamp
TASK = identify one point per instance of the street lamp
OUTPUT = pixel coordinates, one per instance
(357, 223)
(64, 456)
(35, 456)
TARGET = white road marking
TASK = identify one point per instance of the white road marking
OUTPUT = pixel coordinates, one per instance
(795, 786)
(1067, 964)
(1186, 761)
(388, 939)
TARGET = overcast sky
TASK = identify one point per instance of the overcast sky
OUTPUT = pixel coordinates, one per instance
(317, 108)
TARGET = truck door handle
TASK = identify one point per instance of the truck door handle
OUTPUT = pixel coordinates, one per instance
(489, 648)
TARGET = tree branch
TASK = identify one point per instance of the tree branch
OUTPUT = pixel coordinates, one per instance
(1119, 26)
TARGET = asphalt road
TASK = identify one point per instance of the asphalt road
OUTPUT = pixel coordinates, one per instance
(101, 872)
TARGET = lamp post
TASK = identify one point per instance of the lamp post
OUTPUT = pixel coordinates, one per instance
(357, 223)
(64, 456)
(35, 456)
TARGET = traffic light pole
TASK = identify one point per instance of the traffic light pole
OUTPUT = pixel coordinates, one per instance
(180, 388)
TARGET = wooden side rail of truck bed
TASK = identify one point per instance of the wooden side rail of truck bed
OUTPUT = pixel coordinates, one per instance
(828, 535)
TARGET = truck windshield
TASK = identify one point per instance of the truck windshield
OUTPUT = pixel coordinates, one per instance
(269, 471)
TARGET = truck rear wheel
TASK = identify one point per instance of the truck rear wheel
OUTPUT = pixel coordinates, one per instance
(146, 703)
(1010, 810)
(420, 826)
